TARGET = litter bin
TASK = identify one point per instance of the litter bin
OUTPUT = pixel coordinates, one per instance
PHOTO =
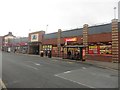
(41, 54)
(49, 54)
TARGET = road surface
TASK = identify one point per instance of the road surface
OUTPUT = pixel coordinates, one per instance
(25, 71)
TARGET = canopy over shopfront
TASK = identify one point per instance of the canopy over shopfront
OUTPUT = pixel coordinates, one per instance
(74, 46)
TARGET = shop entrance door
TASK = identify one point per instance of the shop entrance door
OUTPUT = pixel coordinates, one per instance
(35, 49)
(73, 52)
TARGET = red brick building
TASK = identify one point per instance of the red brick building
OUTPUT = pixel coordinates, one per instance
(101, 42)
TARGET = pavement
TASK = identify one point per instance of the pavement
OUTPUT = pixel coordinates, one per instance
(102, 64)
(107, 65)
(33, 71)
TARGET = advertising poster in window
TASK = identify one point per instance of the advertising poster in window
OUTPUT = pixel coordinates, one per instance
(94, 49)
(107, 49)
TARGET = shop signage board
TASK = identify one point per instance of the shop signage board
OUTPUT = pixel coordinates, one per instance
(34, 37)
(70, 39)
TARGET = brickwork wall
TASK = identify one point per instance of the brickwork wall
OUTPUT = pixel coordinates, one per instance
(85, 39)
(100, 58)
(50, 41)
(119, 45)
(115, 43)
(104, 37)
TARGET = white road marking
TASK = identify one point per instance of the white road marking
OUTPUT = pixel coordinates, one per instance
(34, 63)
(84, 68)
(67, 72)
(57, 75)
(70, 62)
(37, 64)
(32, 67)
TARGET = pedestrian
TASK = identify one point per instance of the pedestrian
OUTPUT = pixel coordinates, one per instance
(78, 55)
(41, 54)
(49, 54)
(15, 51)
(69, 54)
(37, 52)
(46, 53)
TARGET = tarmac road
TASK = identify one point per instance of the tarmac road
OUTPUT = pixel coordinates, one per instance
(25, 71)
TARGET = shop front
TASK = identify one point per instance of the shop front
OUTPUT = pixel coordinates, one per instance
(34, 48)
(35, 42)
(73, 50)
(47, 50)
(19, 47)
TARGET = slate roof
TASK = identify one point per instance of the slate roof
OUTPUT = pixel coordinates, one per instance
(50, 36)
(17, 40)
(9, 34)
(72, 33)
(105, 28)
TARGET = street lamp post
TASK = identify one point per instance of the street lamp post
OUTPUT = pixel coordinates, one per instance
(46, 27)
(115, 12)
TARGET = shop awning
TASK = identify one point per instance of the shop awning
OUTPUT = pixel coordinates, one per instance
(74, 46)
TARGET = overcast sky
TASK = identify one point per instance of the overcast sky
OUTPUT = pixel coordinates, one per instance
(24, 16)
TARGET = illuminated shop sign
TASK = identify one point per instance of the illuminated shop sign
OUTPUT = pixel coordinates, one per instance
(70, 39)
(34, 38)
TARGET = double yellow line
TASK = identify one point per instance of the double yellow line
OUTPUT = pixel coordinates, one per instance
(2, 85)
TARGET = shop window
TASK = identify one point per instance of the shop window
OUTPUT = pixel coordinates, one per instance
(94, 50)
(102, 49)
(106, 49)
(47, 47)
